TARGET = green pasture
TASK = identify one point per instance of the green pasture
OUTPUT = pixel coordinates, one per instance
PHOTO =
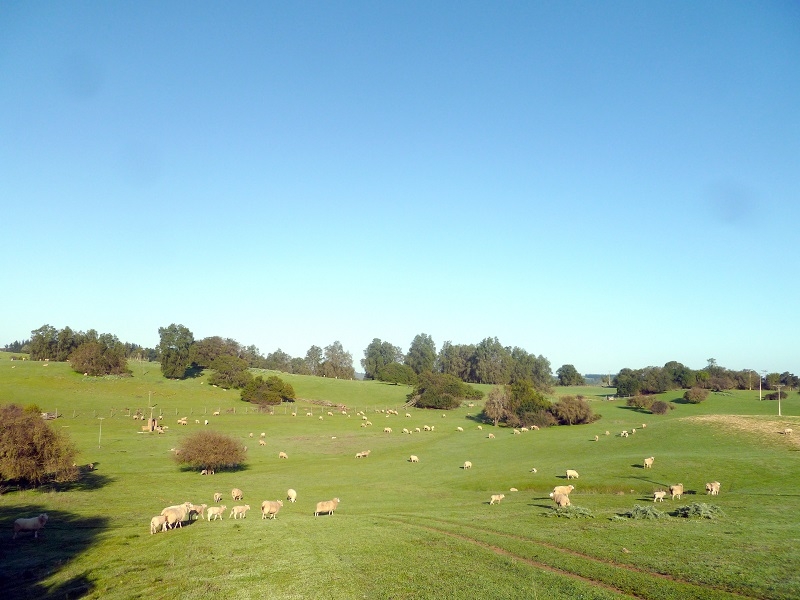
(403, 530)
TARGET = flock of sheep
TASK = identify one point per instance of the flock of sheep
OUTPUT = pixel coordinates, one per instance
(174, 516)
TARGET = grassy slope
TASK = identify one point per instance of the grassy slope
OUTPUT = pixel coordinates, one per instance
(402, 530)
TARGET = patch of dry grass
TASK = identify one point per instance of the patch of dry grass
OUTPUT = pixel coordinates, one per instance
(767, 428)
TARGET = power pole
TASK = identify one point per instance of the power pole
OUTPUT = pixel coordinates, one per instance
(779, 386)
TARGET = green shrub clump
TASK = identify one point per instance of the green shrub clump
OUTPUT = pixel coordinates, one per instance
(659, 407)
(644, 512)
(640, 401)
(571, 512)
(695, 395)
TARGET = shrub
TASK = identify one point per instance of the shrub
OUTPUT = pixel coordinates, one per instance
(640, 401)
(210, 450)
(695, 395)
(699, 510)
(573, 411)
(31, 452)
(443, 391)
(659, 407)
(397, 374)
(96, 358)
(273, 390)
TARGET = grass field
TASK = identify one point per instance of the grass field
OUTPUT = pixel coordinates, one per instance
(404, 530)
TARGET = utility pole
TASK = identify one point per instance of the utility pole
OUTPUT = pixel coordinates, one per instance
(100, 437)
(779, 386)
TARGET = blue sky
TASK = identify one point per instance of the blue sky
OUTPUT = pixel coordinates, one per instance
(609, 184)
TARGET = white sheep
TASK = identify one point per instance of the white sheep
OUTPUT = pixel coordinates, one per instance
(480, 427)
(713, 488)
(659, 496)
(648, 462)
(283, 455)
(174, 515)
(408, 415)
(270, 508)
(426, 428)
(496, 498)
(330, 414)
(608, 433)
(405, 430)
(787, 431)
(263, 434)
(467, 464)
(517, 432)
(417, 430)
(624, 434)
(414, 458)
(563, 489)
(206, 421)
(215, 512)
(240, 511)
(444, 415)
(596, 438)
(262, 442)
(459, 429)
(217, 497)
(676, 490)
(291, 495)
(491, 436)
(572, 474)
(251, 434)
(561, 500)
(237, 494)
(158, 523)
(387, 430)
(33, 524)
(197, 509)
(326, 507)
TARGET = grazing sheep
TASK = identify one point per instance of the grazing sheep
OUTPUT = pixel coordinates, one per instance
(426, 428)
(417, 430)
(491, 436)
(262, 442)
(513, 490)
(197, 509)
(676, 490)
(215, 512)
(320, 418)
(561, 500)
(330, 414)
(443, 415)
(648, 462)
(405, 430)
(270, 508)
(459, 429)
(263, 434)
(496, 498)
(480, 427)
(215, 413)
(251, 434)
(387, 430)
(414, 458)
(158, 523)
(408, 415)
(572, 474)
(623, 434)
(517, 432)
(533, 470)
(787, 431)
(206, 421)
(197, 421)
(33, 524)
(467, 464)
(308, 414)
(291, 495)
(327, 507)
(283, 455)
(534, 428)
(237, 494)
(174, 516)
(713, 488)
(608, 433)
(217, 497)
(659, 496)
(563, 489)
(596, 438)
(240, 511)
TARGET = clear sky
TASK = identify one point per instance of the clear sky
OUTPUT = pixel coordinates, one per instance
(608, 184)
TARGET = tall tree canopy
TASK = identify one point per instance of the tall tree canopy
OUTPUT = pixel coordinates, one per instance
(176, 341)
(421, 354)
(272, 390)
(568, 375)
(438, 390)
(378, 355)
(337, 362)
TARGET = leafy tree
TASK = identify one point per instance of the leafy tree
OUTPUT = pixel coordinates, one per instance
(640, 401)
(771, 380)
(96, 358)
(176, 340)
(66, 343)
(495, 406)
(397, 374)
(695, 395)
(627, 383)
(31, 452)
(492, 362)
(525, 404)
(314, 358)
(44, 343)
(271, 391)
(278, 361)
(338, 363)
(378, 355)
(204, 352)
(456, 360)
(570, 410)
(230, 372)
(529, 367)
(421, 354)
(790, 380)
(210, 450)
(300, 366)
(439, 390)
(568, 375)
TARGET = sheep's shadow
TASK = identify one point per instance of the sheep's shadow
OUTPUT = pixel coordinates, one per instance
(64, 537)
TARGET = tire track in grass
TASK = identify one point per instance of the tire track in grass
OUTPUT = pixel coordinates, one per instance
(640, 583)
